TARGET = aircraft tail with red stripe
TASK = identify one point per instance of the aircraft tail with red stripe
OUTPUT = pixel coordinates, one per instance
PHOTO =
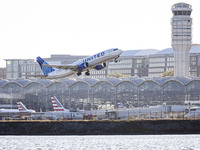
(23, 111)
(57, 106)
(120, 105)
(21, 107)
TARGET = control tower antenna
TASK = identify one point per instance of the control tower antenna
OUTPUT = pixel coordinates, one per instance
(181, 38)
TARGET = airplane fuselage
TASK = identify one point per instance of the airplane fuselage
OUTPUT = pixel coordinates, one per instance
(92, 61)
(63, 115)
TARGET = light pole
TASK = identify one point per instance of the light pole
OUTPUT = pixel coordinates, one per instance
(11, 97)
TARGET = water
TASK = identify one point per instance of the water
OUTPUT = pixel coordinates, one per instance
(123, 142)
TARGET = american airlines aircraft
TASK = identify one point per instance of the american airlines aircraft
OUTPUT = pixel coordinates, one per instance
(61, 112)
(57, 106)
(23, 111)
(120, 105)
(97, 61)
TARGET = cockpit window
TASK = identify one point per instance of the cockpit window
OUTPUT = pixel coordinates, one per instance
(115, 49)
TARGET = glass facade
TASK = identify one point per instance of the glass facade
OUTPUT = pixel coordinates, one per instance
(173, 92)
(127, 94)
(193, 92)
(104, 92)
(94, 94)
(149, 94)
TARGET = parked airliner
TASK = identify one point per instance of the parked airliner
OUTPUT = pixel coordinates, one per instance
(23, 111)
(61, 112)
(193, 112)
(120, 105)
(57, 106)
(97, 61)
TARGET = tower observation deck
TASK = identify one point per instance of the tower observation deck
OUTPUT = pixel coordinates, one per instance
(181, 38)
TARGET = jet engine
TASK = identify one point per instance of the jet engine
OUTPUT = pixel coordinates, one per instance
(99, 67)
(83, 66)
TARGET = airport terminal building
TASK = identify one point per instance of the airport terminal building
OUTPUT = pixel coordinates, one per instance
(105, 93)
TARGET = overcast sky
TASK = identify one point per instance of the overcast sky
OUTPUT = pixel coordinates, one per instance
(31, 28)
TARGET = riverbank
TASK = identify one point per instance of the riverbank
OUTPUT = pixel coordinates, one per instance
(99, 127)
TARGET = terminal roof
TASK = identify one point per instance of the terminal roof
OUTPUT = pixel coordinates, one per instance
(146, 52)
(93, 82)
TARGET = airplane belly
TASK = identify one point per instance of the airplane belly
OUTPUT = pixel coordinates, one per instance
(60, 74)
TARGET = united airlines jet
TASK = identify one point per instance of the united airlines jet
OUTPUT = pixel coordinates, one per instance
(97, 61)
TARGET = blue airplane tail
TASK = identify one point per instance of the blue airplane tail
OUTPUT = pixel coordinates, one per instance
(45, 70)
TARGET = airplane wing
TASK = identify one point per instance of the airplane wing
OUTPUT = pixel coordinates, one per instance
(42, 76)
(72, 67)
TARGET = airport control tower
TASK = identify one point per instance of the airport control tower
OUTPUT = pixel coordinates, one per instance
(181, 38)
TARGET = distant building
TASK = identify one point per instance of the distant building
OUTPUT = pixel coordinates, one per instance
(2, 73)
(165, 62)
(29, 69)
(160, 62)
(151, 63)
(132, 63)
(18, 68)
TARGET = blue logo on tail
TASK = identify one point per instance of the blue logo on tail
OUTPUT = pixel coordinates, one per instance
(45, 70)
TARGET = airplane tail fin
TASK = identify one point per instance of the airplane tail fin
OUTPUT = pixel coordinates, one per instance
(57, 106)
(45, 70)
(120, 105)
(21, 107)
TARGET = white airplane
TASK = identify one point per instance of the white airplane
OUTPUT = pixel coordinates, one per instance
(193, 112)
(23, 111)
(9, 113)
(61, 112)
(2, 110)
(97, 61)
